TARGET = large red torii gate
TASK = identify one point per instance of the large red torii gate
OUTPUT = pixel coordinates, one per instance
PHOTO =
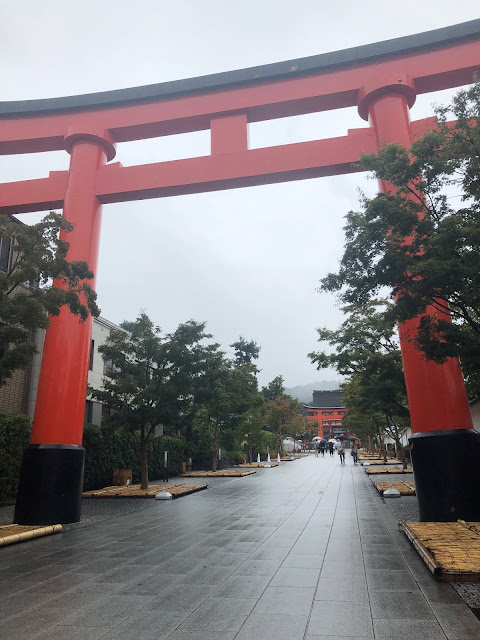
(381, 79)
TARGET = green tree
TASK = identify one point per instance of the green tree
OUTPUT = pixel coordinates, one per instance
(27, 294)
(422, 240)
(228, 393)
(283, 418)
(366, 351)
(274, 389)
(152, 380)
(245, 351)
(251, 428)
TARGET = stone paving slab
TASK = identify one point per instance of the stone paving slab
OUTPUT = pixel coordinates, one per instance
(311, 551)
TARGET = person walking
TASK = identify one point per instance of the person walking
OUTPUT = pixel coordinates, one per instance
(330, 448)
(341, 452)
(322, 448)
(315, 448)
(355, 452)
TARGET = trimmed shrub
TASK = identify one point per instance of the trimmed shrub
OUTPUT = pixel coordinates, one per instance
(15, 431)
(108, 449)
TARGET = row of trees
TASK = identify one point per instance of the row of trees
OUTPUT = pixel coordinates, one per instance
(184, 382)
(420, 243)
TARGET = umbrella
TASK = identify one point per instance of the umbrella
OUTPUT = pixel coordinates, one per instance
(352, 438)
(323, 440)
(333, 440)
(316, 438)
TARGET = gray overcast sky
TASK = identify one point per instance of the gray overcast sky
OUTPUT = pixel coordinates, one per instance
(248, 260)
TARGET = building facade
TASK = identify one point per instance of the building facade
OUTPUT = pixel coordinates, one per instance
(19, 394)
(96, 412)
(327, 409)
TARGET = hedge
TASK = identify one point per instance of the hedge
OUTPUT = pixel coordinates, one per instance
(107, 450)
(15, 431)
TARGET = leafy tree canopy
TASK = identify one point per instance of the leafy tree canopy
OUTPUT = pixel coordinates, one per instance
(365, 350)
(274, 389)
(245, 351)
(27, 294)
(153, 379)
(284, 418)
(421, 240)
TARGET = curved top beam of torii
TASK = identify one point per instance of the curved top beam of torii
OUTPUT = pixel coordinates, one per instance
(225, 103)
(253, 76)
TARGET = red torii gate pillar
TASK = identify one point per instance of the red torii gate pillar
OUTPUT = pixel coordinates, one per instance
(51, 482)
(444, 447)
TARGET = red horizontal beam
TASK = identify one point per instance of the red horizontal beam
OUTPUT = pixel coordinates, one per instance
(115, 183)
(34, 195)
(444, 68)
(242, 169)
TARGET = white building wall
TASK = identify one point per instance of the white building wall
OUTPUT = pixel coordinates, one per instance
(100, 332)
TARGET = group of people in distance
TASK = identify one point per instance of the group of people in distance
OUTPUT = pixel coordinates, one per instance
(321, 446)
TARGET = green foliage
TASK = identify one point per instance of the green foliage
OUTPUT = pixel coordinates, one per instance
(421, 241)
(284, 418)
(250, 430)
(110, 449)
(15, 431)
(366, 351)
(245, 351)
(228, 391)
(274, 389)
(152, 379)
(27, 294)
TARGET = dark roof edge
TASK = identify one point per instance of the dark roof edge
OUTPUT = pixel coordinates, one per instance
(230, 79)
(311, 406)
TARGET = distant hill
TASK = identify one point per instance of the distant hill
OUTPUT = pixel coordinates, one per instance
(304, 392)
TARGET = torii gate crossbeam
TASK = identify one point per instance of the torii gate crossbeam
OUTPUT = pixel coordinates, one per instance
(381, 80)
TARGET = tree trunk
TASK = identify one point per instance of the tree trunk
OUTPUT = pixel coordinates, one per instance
(143, 465)
(400, 451)
(383, 451)
(278, 440)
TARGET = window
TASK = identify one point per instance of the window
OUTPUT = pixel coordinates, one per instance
(310, 413)
(341, 413)
(92, 351)
(5, 254)
(327, 413)
(106, 413)
(107, 364)
(88, 411)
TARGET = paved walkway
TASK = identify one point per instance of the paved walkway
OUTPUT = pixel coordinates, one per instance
(304, 550)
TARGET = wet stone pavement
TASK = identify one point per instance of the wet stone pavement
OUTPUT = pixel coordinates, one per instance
(306, 550)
